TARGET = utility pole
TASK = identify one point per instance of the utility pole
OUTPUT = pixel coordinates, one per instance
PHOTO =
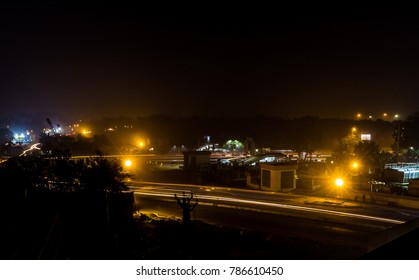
(397, 143)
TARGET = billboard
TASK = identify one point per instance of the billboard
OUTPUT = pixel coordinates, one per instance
(366, 137)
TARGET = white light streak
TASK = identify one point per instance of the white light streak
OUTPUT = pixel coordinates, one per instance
(275, 205)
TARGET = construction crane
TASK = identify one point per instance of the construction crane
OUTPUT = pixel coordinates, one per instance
(54, 131)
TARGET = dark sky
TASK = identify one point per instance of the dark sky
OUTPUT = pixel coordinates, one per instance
(105, 60)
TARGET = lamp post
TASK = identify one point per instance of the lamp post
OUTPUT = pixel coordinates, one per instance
(355, 168)
(339, 184)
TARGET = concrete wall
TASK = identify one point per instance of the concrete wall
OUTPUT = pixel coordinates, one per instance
(382, 198)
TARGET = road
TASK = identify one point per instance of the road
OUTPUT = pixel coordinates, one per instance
(347, 225)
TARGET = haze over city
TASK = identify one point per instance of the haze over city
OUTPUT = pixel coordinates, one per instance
(75, 60)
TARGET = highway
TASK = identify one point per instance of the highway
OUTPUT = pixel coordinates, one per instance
(345, 225)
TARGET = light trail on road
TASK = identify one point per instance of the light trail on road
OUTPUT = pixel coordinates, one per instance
(218, 199)
(32, 148)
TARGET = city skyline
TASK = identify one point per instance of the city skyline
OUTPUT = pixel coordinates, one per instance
(330, 61)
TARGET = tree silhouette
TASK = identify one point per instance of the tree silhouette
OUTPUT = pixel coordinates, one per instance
(187, 208)
(101, 174)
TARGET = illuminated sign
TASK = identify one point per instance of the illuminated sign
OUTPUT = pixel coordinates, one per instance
(366, 137)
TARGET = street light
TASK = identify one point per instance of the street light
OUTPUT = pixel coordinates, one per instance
(355, 168)
(339, 182)
(354, 132)
(128, 163)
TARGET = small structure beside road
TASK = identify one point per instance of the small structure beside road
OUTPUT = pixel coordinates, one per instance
(275, 177)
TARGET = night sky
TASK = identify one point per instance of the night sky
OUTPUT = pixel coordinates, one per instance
(75, 60)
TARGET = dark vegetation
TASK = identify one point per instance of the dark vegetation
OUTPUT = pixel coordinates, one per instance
(56, 203)
(274, 132)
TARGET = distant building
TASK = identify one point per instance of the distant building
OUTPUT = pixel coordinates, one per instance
(398, 177)
(401, 172)
(196, 160)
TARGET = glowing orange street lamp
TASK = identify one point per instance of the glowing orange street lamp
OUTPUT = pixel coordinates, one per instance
(128, 163)
(339, 182)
